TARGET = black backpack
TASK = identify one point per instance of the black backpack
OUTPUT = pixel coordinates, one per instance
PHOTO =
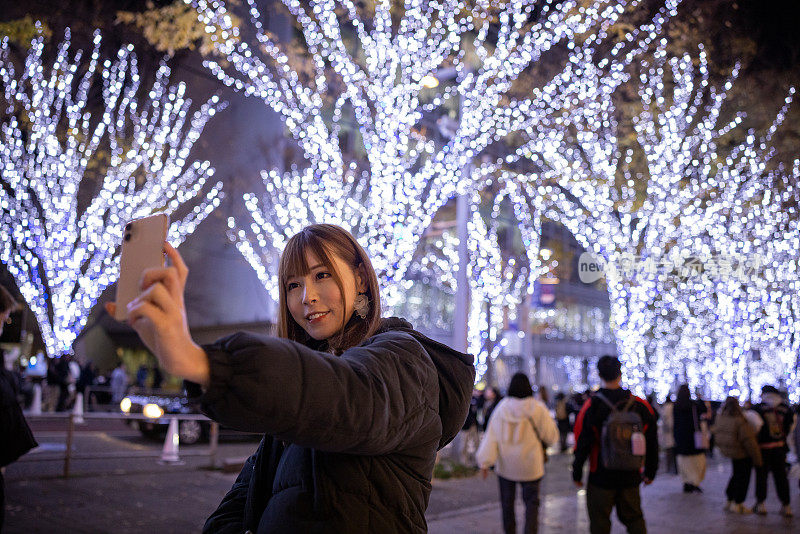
(622, 443)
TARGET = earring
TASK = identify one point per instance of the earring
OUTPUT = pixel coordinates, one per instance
(361, 305)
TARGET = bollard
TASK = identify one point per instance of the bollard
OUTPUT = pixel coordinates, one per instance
(77, 410)
(36, 404)
(169, 454)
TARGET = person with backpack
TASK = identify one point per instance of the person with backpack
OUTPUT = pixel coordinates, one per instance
(737, 441)
(617, 432)
(772, 440)
(519, 431)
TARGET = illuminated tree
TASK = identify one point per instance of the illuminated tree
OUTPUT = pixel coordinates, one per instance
(72, 172)
(372, 68)
(498, 278)
(656, 218)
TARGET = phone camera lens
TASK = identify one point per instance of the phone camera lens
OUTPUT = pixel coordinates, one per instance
(127, 237)
(128, 226)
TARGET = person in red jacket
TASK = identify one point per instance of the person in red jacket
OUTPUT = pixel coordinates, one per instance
(609, 488)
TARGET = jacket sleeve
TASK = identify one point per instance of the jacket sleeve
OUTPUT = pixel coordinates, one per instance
(487, 452)
(584, 439)
(545, 424)
(373, 399)
(228, 518)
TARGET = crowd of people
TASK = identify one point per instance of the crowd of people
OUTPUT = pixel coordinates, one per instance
(65, 377)
(513, 433)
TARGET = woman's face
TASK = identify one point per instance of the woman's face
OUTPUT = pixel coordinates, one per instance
(315, 301)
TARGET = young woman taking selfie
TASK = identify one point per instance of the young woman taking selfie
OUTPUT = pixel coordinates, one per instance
(353, 407)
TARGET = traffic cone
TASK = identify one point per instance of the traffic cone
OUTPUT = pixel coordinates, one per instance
(77, 410)
(36, 404)
(169, 454)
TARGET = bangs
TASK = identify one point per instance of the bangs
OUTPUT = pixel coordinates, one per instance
(293, 260)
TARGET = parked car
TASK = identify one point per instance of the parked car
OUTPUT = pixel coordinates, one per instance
(155, 406)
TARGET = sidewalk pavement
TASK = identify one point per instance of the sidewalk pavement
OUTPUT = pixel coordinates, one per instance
(177, 499)
(666, 509)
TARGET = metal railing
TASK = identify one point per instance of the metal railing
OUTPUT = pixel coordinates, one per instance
(70, 418)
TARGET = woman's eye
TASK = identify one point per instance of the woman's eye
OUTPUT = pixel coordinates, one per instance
(292, 285)
(322, 275)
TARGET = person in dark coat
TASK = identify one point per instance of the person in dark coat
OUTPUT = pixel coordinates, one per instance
(15, 436)
(158, 377)
(773, 442)
(491, 397)
(689, 416)
(610, 488)
(562, 420)
(62, 370)
(87, 378)
(141, 376)
(353, 407)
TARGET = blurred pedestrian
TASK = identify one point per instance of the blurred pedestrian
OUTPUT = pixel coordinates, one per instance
(796, 435)
(772, 439)
(141, 377)
(119, 383)
(519, 432)
(691, 439)
(562, 420)
(616, 466)
(466, 441)
(706, 420)
(158, 377)
(491, 398)
(63, 374)
(16, 437)
(737, 441)
(543, 395)
(87, 378)
(666, 436)
(353, 407)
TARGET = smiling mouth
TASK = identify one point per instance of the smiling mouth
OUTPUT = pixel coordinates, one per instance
(314, 317)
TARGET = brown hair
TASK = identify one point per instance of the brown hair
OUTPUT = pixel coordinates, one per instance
(325, 240)
(731, 407)
(7, 302)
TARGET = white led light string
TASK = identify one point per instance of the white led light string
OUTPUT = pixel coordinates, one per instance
(664, 328)
(63, 257)
(390, 197)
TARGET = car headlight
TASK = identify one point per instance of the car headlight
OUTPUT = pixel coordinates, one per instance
(125, 405)
(153, 411)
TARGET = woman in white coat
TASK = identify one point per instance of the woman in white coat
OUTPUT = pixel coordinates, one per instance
(520, 430)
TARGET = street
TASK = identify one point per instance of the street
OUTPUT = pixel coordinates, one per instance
(133, 493)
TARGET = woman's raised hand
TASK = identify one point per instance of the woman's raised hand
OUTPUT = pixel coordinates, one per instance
(158, 315)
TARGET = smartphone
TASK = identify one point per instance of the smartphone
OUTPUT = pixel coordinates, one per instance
(142, 248)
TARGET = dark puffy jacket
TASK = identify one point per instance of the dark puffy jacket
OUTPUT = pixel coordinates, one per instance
(778, 419)
(350, 441)
(16, 437)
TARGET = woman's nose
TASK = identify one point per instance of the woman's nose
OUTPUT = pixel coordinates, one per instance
(309, 294)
